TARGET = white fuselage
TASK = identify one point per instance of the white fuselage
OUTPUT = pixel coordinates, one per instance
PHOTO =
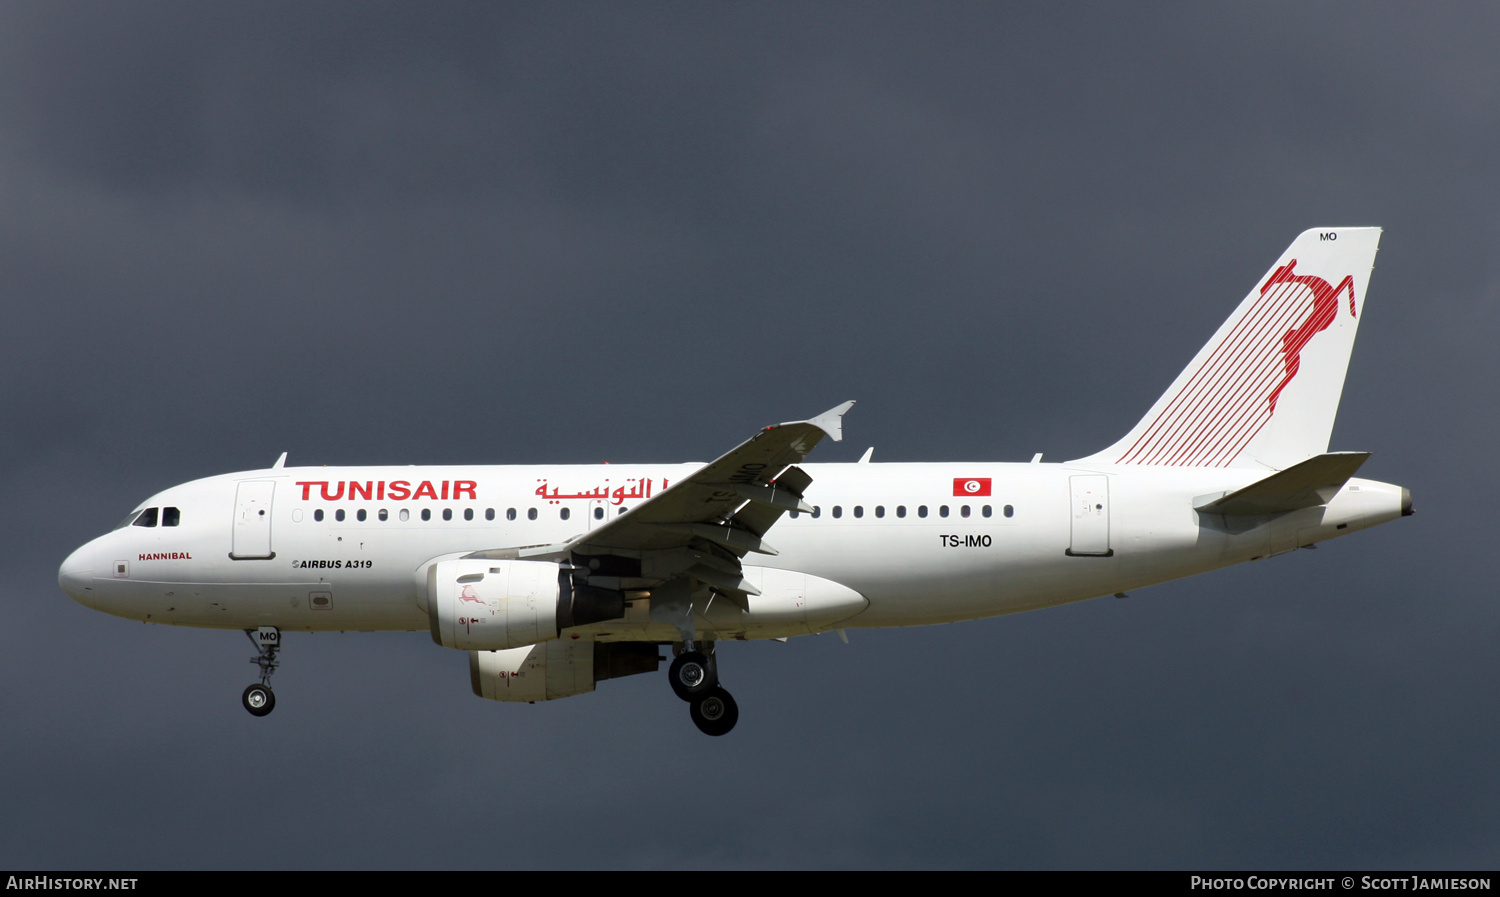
(332, 548)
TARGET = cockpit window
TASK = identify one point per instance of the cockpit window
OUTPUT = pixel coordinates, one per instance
(147, 518)
(170, 516)
(129, 519)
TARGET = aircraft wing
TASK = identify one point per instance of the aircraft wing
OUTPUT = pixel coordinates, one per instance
(702, 525)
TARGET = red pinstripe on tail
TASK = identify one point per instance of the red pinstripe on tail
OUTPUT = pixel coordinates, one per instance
(1230, 395)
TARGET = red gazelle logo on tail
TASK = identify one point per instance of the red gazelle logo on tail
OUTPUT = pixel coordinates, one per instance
(1233, 394)
(1325, 309)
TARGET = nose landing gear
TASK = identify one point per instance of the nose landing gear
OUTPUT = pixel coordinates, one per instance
(258, 698)
(694, 677)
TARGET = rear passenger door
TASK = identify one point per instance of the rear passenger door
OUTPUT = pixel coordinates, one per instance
(1090, 517)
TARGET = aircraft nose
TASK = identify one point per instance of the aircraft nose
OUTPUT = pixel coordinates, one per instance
(76, 575)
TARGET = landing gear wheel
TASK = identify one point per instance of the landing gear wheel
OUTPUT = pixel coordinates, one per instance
(259, 700)
(715, 713)
(693, 675)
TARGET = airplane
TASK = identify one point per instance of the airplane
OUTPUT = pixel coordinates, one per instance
(554, 578)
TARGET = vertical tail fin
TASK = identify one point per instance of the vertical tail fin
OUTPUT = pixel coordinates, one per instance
(1265, 390)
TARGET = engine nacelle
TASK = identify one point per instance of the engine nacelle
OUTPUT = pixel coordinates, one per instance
(556, 669)
(484, 605)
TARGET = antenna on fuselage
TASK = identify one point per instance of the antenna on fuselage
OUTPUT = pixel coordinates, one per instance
(280, 462)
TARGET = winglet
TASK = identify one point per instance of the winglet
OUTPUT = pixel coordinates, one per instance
(830, 421)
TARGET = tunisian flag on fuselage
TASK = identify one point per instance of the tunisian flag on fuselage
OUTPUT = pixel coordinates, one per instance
(971, 487)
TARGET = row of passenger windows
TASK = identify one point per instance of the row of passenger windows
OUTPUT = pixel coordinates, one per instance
(426, 514)
(564, 513)
(150, 516)
(859, 511)
(173, 517)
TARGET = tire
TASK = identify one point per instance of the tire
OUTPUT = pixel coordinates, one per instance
(259, 700)
(715, 713)
(693, 675)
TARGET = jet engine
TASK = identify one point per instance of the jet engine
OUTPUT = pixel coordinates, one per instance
(485, 605)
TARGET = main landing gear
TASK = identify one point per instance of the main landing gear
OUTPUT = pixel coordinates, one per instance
(258, 698)
(694, 677)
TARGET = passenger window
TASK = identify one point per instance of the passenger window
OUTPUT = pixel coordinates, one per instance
(563, 513)
(817, 511)
(794, 514)
(426, 513)
(880, 510)
(170, 516)
(318, 515)
(405, 515)
(598, 513)
(986, 511)
(147, 518)
(384, 515)
(921, 510)
(339, 515)
(859, 510)
(838, 511)
(900, 510)
(531, 513)
(468, 513)
(943, 511)
(489, 513)
(1009, 511)
(447, 513)
(964, 511)
(360, 515)
(510, 513)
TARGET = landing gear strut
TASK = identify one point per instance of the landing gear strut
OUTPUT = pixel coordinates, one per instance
(258, 698)
(694, 677)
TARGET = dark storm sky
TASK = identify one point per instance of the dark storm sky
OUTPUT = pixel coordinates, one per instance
(445, 233)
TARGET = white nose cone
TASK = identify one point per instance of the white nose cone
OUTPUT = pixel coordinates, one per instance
(76, 576)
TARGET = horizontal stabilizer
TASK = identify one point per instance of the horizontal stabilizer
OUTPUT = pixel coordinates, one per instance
(1308, 484)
